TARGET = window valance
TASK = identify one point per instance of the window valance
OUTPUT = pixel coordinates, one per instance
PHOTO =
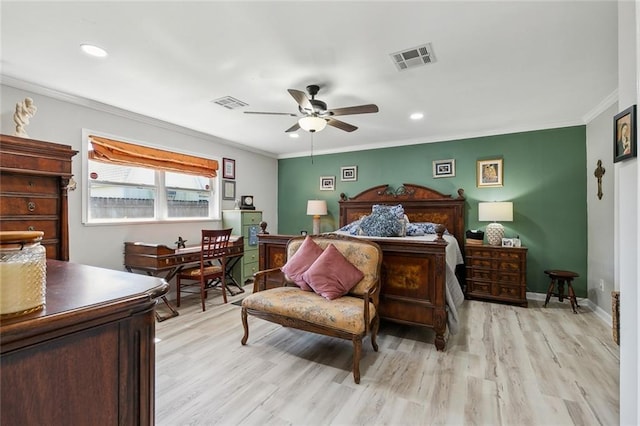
(128, 154)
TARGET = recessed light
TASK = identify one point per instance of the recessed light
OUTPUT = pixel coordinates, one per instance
(416, 116)
(294, 135)
(93, 50)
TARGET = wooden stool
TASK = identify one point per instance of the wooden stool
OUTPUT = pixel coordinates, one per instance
(561, 277)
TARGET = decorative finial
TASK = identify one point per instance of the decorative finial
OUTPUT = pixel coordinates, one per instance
(181, 243)
(24, 111)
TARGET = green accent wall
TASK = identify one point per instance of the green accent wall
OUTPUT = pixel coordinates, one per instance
(544, 176)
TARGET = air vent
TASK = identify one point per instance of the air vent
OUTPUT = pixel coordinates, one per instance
(229, 102)
(414, 57)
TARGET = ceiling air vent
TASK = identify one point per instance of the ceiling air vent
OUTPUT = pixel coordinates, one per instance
(414, 57)
(229, 102)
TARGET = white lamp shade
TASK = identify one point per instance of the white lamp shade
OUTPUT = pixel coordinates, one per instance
(316, 207)
(495, 212)
(312, 124)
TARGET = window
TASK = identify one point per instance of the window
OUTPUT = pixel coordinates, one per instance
(125, 192)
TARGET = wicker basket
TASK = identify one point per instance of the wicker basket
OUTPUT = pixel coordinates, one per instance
(615, 315)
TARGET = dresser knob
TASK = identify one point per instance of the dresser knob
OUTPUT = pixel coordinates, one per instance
(31, 206)
(31, 228)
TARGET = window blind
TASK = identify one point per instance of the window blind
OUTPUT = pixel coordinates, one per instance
(128, 154)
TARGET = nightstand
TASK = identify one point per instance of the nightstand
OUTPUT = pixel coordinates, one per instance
(496, 273)
(245, 223)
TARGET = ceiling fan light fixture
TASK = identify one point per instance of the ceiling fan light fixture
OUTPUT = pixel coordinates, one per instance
(312, 124)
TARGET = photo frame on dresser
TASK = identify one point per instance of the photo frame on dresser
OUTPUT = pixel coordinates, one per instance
(624, 135)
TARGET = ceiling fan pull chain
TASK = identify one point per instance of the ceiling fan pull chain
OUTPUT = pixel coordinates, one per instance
(311, 147)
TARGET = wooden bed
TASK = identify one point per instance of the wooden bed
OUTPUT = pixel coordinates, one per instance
(413, 273)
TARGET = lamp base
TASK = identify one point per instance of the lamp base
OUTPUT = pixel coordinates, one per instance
(316, 225)
(495, 233)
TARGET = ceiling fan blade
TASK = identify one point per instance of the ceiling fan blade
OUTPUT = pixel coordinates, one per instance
(293, 128)
(301, 99)
(341, 125)
(271, 113)
(360, 109)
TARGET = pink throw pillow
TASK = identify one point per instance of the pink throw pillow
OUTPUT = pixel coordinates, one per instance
(301, 260)
(332, 275)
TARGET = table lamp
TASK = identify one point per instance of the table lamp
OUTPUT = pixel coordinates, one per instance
(316, 208)
(494, 212)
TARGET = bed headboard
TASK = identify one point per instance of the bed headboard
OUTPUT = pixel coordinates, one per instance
(421, 204)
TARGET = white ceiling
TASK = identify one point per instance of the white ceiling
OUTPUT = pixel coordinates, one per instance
(501, 66)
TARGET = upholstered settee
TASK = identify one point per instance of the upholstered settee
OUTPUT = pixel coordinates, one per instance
(351, 316)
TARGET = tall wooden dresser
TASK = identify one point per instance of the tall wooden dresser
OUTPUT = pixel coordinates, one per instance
(34, 176)
(244, 223)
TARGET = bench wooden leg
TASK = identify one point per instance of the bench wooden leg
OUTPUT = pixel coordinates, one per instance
(245, 325)
(549, 292)
(357, 352)
(572, 298)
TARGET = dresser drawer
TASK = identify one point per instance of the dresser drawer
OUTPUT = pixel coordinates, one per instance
(250, 256)
(512, 292)
(505, 265)
(508, 278)
(252, 218)
(28, 184)
(29, 206)
(480, 252)
(483, 274)
(476, 287)
(250, 269)
(481, 262)
(48, 226)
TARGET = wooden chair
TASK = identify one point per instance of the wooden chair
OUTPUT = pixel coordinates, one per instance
(213, 254)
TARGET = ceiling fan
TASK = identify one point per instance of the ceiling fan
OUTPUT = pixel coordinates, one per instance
(315, 115)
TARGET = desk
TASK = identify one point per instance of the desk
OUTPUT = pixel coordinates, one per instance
(158, 259)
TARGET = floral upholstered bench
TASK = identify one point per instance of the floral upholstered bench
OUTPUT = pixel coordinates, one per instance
(329, 285)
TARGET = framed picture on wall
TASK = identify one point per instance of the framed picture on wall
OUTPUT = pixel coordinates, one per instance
(489, 173)
(349, 173)
(624, 135)
(444, 168)
(228, 168)
(228, 190)
(327, 183)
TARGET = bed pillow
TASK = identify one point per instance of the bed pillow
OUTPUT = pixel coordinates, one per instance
(301, 260)
(422, 228)
(398, 210)
(382, 223)
(332, 275)
(351, 228)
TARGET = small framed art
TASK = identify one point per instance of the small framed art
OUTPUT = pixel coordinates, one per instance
(228, 168)
(489, 173)
(228, 190)
(444, 168)
(349, 173)
(624, 135)
(327, 183)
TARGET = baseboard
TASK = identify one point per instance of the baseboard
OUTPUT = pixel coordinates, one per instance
(600, 313)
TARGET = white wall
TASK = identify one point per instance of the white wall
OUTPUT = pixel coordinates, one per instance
(61, 118)
(627, 221)
(600, 258)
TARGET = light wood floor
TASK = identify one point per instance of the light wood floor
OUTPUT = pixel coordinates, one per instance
(507, 366)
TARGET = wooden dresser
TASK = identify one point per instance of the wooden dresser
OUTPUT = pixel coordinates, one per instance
(88, 358)
(496, 273)
(33, 188)
(246, 224)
